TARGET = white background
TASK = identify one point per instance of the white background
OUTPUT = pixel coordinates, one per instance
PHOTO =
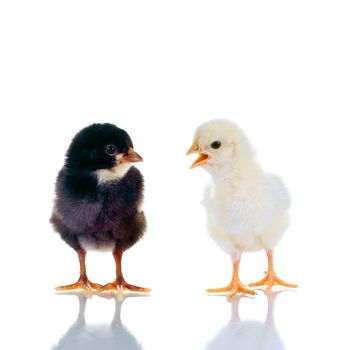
(159, 69)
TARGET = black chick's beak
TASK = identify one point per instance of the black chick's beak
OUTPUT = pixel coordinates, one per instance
(131, 157)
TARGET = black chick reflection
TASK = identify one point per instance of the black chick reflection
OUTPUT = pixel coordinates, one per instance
(251, 334)
(106, 336)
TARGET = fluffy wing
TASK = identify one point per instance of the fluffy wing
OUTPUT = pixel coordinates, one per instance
(76, 211)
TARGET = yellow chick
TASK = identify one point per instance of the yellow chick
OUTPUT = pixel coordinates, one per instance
(247, 208)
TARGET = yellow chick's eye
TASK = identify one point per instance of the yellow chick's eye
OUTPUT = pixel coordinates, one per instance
(216, 144)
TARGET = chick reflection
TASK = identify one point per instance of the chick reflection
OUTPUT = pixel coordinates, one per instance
(248, 335)
(110, 336)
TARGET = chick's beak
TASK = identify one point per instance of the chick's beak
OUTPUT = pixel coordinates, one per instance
(202, 156)
(131, 157)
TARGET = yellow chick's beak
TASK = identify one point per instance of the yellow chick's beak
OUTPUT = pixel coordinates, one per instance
(202, 157)
(131, 157)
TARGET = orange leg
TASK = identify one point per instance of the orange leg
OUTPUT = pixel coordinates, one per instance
(235, 286)
(271, 278)
(83, 282)
(120, 284)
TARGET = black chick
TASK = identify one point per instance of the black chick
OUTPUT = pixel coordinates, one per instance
(98, 200)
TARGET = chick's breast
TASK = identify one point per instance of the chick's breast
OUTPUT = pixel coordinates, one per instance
(247, 215)
(121, 215)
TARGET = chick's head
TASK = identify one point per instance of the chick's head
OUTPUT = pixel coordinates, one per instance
(220, 143)
(101, 147)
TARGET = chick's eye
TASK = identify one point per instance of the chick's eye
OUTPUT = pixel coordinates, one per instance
(111, 150)
(216, 144)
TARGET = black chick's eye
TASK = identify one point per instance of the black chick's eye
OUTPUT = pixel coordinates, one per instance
(216, 144)
(111, 150)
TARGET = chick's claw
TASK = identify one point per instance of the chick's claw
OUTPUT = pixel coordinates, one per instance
(133, 288)
(112, 286)
(121, 287)
(232, 290)
(85, 286)
(219, 290)
(271, 280)
(240, 289)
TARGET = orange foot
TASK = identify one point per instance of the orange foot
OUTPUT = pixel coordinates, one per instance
(122, 286)
(81, 285)
(232, 289)
(271, 280)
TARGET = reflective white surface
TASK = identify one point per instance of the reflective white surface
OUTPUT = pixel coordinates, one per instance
(278, 321)
(280, 70)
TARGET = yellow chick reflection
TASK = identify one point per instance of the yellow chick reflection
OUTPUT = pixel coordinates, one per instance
(248, 335)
